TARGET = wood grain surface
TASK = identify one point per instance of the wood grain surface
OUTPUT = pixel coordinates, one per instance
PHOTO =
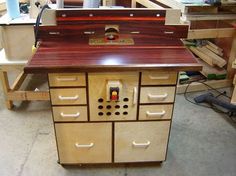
(65, 48)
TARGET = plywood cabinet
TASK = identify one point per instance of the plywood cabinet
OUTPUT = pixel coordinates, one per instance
(91, 127)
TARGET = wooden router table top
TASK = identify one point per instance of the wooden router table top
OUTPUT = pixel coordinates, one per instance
(69, 51)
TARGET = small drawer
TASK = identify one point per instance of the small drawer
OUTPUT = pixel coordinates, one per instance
(84, 142)
(157, 94)
(155, 112)
(66, 79)
(68, 96)
(158, 78)
(70, 113)
(141, 141)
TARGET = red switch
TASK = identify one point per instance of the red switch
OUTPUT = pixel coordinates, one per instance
(114, 93)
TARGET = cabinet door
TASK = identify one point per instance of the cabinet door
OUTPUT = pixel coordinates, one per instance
(84, 142)
(141, 141)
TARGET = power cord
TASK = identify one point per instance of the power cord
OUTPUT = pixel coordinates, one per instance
(36, 29)
(213, 107)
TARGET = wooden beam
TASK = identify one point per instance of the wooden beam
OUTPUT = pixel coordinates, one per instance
(201, 87)
(217, 60)
(6, 88)
(149, 4)
(202, 55)
(232, 58)
(209, 17)
(28, 95)
(210, 33)
(18, 81)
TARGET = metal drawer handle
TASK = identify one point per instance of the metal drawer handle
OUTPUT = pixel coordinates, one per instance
(68, 98)
(70, 115)
(145, 145)
(66, 79)
(155, 114)
(157, 97)
(84, 145)
(159, 77)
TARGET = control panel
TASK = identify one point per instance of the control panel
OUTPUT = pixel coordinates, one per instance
(113, 96)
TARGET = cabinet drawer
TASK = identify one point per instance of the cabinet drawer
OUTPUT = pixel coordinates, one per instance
(157, 94)
(68, 96)
(66, 79)
(141, 141)
(70, 113)
(154, 112)
(158, 78)
(84, 142)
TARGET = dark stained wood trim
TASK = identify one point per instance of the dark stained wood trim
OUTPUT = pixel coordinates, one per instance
(76, 69)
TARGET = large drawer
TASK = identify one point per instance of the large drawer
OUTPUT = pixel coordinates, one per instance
(84, 142)
(158, 78)
(155, 112)
(68, 96)
(157, 94)
(141, 141)
(66, 79)
(70, 113)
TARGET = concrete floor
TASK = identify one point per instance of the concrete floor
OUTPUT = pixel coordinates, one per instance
(202, 143)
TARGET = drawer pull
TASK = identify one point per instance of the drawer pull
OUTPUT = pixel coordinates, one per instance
(68, 98)
(84, 145)
(70, 115)
(135, 96)
(157, 97)
(159, 77)
(155, 114)
(66, 79)
(145, 145)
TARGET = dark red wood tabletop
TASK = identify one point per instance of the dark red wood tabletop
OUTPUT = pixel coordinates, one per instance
(65, 48)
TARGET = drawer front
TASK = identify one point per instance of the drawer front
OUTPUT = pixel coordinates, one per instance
(66, 79)
(158, 78)
(141, 141)
(68, 96)
(70, 113)
(157, 94)
(84, 142)
(155, 112)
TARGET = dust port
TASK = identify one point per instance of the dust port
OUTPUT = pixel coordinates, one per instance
(126, 99)
(125, 106)
(117, 113)
(100, 113)
(100, 107)
(117, 106)
(108, 113)
(100, 100)
(125, 113)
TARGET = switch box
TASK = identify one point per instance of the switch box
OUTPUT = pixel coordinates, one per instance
(114, 90)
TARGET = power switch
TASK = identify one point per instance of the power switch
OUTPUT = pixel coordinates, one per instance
(114, 90)
(114, 93)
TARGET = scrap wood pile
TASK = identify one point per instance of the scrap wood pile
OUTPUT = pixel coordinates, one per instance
(210, 56)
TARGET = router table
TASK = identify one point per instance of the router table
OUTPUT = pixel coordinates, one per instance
(112, 79)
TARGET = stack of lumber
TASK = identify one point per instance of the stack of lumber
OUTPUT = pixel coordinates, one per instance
(210, 56)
